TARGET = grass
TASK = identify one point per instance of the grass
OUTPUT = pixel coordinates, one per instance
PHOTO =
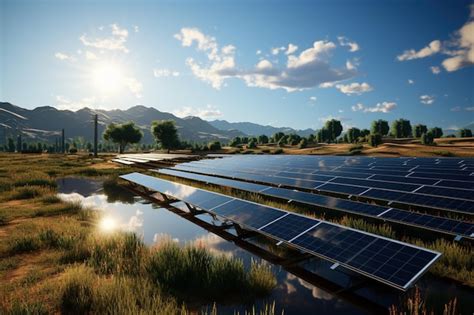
(416, 305)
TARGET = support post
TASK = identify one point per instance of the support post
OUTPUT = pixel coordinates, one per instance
(96, 119)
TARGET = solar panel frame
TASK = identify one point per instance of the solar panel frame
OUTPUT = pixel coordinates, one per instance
(403, 286)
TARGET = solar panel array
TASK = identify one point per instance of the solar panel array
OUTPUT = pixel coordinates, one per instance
(394, 263)
(419, 220)
(428, 184)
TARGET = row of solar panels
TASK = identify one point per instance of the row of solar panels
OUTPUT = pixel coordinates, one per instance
(385, 194)
(335, 161)
(257, 162)
(392, 262)
(424, 221)
(400, 183)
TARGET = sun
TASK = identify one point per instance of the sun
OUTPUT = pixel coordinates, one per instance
(108, 77)
(108, 225)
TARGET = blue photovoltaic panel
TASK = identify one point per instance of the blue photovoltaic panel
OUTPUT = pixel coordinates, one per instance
(375, 184)
(380, 212)
(289, 227)
(400, 264)
(447, 192)
(345, 189)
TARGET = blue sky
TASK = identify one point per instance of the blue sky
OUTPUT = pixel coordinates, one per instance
(285, 63)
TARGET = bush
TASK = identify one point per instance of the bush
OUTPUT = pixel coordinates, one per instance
(72, 150)
(77, 291)
(252, 144)
(375, 139)
(465, 133)
(214, 146)
(278, 151)
(303, 143)
(427, 138)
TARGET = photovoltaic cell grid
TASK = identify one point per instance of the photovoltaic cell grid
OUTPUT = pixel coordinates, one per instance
(425, 221)
(421, 194)
(391, 262)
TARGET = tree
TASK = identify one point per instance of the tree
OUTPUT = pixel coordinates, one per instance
(322, 135)
(334, 128)
(303, 143)
(419, 129)
(465, 133)
(427, 138)
(311, 138)
(11, 145)
(165, 133)
(252, 144)
(364, 132)
(214, 146)
(352, 135)
(293, 139)
(437, 132)
(235, 142)
(122, 134)
(401, 128)
(375, 139)
(277, 136)
(379, 126)
(262, 139)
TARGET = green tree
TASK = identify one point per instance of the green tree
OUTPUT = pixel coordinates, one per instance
(353, 135)
(401, 128)
(277, 136)
(235, 142)
(322, 135)
(419, 129)
(165, 133)
(465, 133)
(427, 138)
(303, 143)
(214, 146)
(334, 128)
(252, 144)
(379, 126)
(311, 138)
(293, 139)
(437, 132)
(122, 134)
(375, 139)
(262, 139)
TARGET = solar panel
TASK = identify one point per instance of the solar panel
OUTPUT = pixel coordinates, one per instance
(394, 263)
(419, 220)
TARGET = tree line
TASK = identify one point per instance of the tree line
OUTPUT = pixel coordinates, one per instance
(166, 136)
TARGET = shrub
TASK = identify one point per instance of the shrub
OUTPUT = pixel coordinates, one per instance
(375, 139)
(72, 150)
(278, 151)
(465, 133)
(252, 144)
(427, 138)
(77, 294)
(303, 143)
(214, 146)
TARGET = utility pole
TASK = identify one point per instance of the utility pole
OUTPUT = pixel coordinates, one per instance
(63, 147)
(96, 118)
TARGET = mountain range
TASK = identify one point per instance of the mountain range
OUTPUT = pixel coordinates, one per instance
(45, 123)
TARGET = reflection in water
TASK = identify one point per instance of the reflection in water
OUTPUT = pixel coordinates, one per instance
(153, 224)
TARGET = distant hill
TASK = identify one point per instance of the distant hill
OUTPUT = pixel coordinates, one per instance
(45, 123)
(253, 129)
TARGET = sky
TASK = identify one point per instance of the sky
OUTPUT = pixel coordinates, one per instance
(284, 63)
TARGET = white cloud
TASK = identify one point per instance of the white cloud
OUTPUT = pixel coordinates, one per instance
(158, 73)
(384, 107)
(458, 109)
(136, 29)
(116, 41)
(435, 70)
(469, 109)
(275, 51)
(354, 88)
(313, 98)
(204, 113)
(135, 86)
(65, 103)
(433, 48)
(310, 69)
(427, 99)
(63, 56)
(344, 41)
(460, 48)
(259, 52)
(291, 49)
(411, 81)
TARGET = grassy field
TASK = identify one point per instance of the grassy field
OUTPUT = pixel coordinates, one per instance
(53, 258)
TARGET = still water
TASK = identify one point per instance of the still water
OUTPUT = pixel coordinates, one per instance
(125, 211)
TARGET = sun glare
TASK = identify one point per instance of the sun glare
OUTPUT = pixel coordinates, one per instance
(107, 224)
(107, 77)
